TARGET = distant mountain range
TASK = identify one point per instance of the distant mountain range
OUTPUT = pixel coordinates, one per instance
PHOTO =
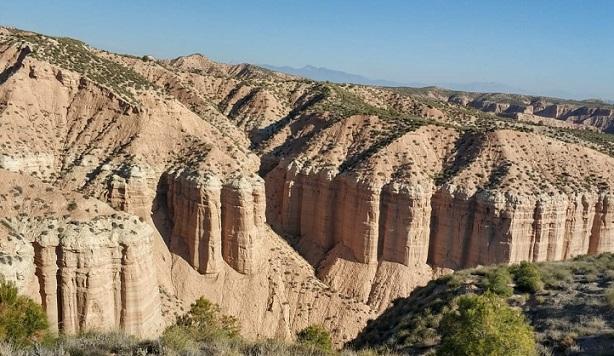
(337, 76)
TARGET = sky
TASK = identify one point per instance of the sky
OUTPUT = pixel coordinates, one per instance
(547, 47)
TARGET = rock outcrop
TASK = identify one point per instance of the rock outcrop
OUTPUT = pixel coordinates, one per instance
(585, 114)
(496, 228)
(88, 271)
(478, 214)
(216, 221)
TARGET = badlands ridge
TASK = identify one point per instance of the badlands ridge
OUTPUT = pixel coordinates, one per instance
(131, 186)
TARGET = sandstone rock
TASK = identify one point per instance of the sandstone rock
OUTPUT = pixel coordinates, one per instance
(89, 271)
(216, 220)
(194, 203)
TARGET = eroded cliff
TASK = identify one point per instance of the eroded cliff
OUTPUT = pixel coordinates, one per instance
(378, 189)
(91, 267)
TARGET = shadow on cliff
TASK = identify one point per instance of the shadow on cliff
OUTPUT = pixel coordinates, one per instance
(10, 70)
(162, 220)
(296, 121)
(466, 150)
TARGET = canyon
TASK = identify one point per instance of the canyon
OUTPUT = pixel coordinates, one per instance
(132, 186)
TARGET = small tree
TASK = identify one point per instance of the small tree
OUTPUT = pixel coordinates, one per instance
(316, 336)
(485, 325)
(527, 277)
(22, 321)
(203, 323)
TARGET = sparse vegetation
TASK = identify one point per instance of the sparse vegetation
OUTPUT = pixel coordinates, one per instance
(498, 281)
(570, 312)
(609, 296)
(316, 336)
(75, 55)
(203, 330)
(485, 325)
(71, 206)
(203, 323)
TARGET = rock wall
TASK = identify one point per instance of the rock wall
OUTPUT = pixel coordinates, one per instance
(447, 227)
(215, 222)
(496, 228)
(374, 222)
(97, 275)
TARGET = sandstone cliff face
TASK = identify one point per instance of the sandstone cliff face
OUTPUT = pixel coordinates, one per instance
(388, 223)
(216, 221)
(496, 228)
(380, 215)
(132, 147)
(89, 272)
(89, 281)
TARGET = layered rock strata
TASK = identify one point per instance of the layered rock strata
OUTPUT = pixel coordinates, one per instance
(459, 224)
(96, 275)
(376, 223)
(497, 228)
(400, 223)
(217, 222)
(90, 267)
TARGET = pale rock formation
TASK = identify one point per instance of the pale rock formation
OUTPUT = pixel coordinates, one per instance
(500, 228)
(243, 207)
(216, 220)
(131, 190)
(194, 203)
(96, 276)
(377, 203)
(41, 165)
(365, 218)
(91, 268)
(405, 223)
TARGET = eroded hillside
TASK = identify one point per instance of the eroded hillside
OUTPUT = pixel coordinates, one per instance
(287, 201)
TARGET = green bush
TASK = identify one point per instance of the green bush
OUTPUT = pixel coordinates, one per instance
(204, 323)
(22, 321)
(316, 336)
(498, 281)
(485, 325)
(527, 277)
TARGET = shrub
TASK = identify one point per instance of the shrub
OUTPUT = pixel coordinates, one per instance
(316, 336)
(485, 325)
(203, 323)
(179, 338)
(527, 277)
(72, 206)
(22, 321)
(498, 281)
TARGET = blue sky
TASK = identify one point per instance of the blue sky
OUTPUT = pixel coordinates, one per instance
(556, 47)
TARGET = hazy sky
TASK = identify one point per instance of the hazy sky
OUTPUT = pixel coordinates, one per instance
(556, 47)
